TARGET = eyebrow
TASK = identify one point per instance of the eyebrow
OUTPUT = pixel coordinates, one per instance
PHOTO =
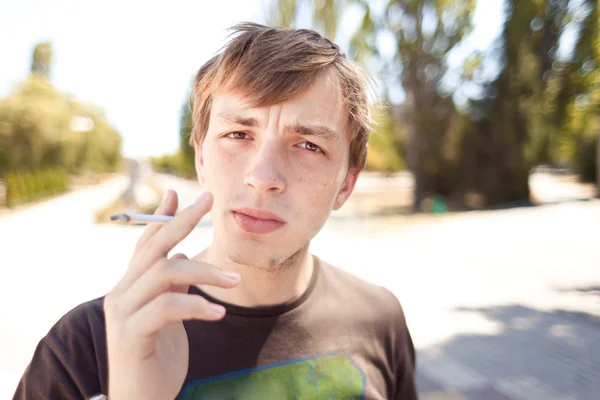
(320, 131)
(239, 120)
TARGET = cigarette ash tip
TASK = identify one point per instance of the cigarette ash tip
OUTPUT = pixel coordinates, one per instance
(119, 217)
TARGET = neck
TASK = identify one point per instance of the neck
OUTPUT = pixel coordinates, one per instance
(261, 285)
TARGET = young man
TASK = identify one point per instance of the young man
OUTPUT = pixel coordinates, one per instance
(281, 123)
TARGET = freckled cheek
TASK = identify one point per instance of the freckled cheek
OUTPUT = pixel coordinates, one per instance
(224, 164)
(317, 200)
(319, 192)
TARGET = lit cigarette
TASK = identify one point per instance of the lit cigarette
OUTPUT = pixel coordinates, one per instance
(141, 218)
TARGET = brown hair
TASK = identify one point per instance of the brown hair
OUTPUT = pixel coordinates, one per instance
(272, 65)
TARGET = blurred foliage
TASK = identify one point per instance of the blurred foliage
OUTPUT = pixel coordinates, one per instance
(23, 187)
(478, 128)
(283, 13)
(182, 162)
(176, 164)
(384, 151)
(186, 152)
(531, 113)
(43, 129)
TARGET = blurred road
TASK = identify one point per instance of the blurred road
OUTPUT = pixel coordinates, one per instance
(501, 304)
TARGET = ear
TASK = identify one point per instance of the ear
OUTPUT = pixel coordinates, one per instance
(199, 163)
(347, 188)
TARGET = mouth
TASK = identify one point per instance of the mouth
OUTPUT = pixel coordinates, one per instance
(257, 221)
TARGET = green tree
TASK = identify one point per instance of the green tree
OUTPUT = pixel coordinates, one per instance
(385, 146)
(36, 127)
(426, 32)
(182, 162)
(594, 79)
(534, 110)
(185, 157)
(283, 13)
(584, 74)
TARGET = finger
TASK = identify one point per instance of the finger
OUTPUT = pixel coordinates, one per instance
(179, 288)
(173, 307)
(166, 273)
(159, 245)
(167, 207)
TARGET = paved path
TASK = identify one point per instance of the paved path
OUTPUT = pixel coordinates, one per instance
(51, 261)
(501, 304)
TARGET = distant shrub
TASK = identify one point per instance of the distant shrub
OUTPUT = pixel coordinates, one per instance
(25, 186)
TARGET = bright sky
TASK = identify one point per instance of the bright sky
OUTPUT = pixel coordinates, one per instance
(136, 58)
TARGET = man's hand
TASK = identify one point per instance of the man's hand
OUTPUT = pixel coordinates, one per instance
(147, 343)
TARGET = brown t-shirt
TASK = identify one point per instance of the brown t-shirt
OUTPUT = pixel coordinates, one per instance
(342, 339)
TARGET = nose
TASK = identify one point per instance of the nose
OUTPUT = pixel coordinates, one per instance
(265, 172)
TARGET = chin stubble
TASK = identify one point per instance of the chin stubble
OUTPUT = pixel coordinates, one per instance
(275, 264)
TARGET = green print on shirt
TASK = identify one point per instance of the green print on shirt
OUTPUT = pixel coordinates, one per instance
(331, 376)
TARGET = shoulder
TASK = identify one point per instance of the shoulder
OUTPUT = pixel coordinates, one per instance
(376, 312)
(370, 306)
(81, 326)
(377, 300)
(70, 360)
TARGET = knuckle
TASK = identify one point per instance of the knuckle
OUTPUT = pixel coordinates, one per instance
(162, 271)
(158, 269)
(162, 264)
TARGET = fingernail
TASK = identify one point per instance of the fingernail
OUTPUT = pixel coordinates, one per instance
(234, 276)
(217, 309)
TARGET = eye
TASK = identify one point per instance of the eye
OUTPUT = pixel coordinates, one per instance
(238, 135)
(311, 147)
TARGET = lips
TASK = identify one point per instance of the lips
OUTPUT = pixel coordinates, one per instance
(257, 221)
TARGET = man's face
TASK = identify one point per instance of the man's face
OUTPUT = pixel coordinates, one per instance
(275, 172)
